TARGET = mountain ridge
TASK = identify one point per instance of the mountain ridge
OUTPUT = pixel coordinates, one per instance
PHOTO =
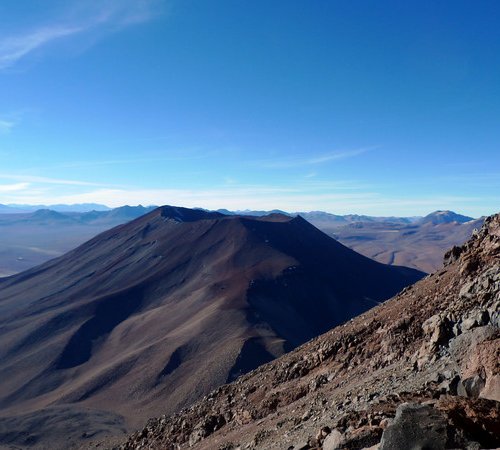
(28, 239)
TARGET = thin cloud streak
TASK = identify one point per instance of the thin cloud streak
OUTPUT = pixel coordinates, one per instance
(14, 48)
(47, 180)
(14, 187)
(335, 156)
(111, 15)
(287, 163)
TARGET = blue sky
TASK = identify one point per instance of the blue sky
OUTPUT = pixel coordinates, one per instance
(382, 108)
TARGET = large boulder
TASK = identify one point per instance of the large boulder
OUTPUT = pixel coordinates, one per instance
(415, 427)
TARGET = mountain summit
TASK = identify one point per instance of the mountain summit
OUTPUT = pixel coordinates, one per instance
(153, 314)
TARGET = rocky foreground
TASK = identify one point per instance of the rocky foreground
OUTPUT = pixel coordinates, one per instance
(420, 371)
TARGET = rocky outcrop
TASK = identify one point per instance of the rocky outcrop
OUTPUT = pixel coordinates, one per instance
(420, 371)
(415, 426)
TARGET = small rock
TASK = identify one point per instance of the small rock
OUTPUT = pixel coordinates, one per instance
(323, 433)
(384, 423)
(467, 290)
(333, 440)
(478, 319)
(469, 266)
(438, 328)
(470, 387)
(452, 255)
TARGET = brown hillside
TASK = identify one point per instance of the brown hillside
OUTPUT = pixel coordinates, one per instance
(420, 371)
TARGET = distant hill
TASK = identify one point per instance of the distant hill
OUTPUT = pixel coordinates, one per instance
(153, 314)
(324, 217)
(49, 217)
(77, 207)
(31, 238)
(250, 212)
(420, 245)
(114, 216)
(8, 209)
(438, 217)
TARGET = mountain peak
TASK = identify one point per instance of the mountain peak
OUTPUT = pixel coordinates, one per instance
(49, 215)
(180, 214)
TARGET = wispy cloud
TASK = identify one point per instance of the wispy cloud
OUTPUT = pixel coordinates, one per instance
(90, 16)
(47, 180)
(335, 156)
(13, 49)
(290, 162)
(6, 126)
(13, 187)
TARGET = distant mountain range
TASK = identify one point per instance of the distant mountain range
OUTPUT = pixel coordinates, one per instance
(77, 207)
(153, 314)
(28, 239)
(419, 242)
(435, 217)
(321, 216)
(31, 238)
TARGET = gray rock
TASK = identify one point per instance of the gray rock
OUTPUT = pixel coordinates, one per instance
(415, 427)
(462, 345)
(476, 319)
(467, 289)
(471, 387)
(495, 316)
(438, 329)
(333, 440)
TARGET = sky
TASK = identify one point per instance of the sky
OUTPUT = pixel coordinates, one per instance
(367, 107)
